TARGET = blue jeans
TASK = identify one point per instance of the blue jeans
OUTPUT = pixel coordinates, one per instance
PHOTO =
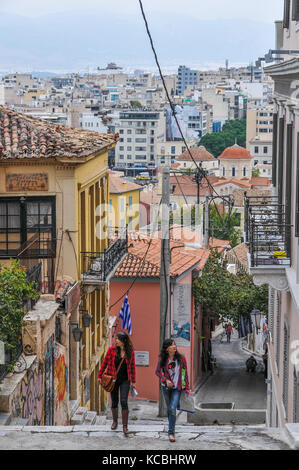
(172, 399)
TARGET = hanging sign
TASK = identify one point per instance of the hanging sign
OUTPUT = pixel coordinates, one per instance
(182, 314)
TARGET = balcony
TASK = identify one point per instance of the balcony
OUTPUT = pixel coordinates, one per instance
(268, 238)
(99, 267)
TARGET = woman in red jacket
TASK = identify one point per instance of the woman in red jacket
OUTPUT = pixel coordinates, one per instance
(172, 372)
(126, 375)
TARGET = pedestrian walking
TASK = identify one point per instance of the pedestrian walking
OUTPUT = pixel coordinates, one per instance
(251, 364)
(172, 372)
(229, 330)
(120, 363)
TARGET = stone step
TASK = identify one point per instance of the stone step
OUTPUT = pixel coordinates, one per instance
(101, 420)
(19, 422)
(90, 418)
(5, 419)
(78, 418)
(74, 405)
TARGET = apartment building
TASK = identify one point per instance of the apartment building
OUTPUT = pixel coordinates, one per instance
(259, 123)
(274, 257)
(186, 77)
(139, 132)
(261, 150)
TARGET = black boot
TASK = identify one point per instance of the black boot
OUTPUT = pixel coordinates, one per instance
(115, 418)
(125, 417)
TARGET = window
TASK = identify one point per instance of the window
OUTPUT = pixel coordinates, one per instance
(223, 171)
(265, 149)
(130, 202)
(23, 219)
(129, 149)
(122, 204)
(233, 171)
(121, 131)
(238, 219)
(172, 150)
(245, 171)
(129, 131)
(130, 223)
(271, 310)
(110, 206)
(129, 139)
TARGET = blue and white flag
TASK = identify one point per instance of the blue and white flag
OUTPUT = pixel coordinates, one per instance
(125, 315)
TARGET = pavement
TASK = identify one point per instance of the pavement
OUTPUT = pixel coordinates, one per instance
(230, 383)
(148, 431)
(142, 437)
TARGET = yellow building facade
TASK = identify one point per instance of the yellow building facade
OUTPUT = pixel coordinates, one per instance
(54, 196)
(124, 203)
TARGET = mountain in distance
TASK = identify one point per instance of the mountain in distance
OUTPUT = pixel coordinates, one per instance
(75, 41)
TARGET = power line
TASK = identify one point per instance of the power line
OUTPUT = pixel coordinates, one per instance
(199, 168)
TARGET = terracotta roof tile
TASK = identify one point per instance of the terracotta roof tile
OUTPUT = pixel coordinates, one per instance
(22, 136)
(199, 154)
(121, 185)
(235, 153)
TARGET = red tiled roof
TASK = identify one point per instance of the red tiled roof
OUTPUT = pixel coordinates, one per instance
(23, 136)
(244, 183)
(198, 153)
(121, 185)
(235, 153)
(182, 258)
(260, 181)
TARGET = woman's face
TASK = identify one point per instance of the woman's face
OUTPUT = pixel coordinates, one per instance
(119, 343)
(172, 348)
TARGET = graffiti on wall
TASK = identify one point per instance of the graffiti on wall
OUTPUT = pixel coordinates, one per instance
(27, 400)
(60, 384)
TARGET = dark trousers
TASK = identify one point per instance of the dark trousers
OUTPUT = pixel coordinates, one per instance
(121, 388)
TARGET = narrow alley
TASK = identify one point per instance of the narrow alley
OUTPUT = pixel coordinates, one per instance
(230, 382)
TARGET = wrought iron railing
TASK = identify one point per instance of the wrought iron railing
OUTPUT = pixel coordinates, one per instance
(12, 361)
(98, 266)
(267, 234)
(34, 275)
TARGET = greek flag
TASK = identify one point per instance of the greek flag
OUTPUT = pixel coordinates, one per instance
(125, 315)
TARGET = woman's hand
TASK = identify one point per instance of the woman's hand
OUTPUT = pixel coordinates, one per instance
(169, 383)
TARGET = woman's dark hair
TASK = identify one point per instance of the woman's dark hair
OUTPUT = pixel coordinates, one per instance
(128, 346)
(164, 354)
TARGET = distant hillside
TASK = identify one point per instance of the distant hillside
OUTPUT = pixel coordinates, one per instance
(75, 40)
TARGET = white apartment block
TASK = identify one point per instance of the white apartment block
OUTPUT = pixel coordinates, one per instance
(139, 131)
(261, 150)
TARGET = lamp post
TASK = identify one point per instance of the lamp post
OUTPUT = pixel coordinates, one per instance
(77, 332)
(256, 316)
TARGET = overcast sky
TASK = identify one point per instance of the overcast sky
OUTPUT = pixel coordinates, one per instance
(264, 10)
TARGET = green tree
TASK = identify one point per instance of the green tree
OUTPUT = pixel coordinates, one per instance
(14, 289)
(135, 104)
(232, 132)
(222, 293)
(255, 172)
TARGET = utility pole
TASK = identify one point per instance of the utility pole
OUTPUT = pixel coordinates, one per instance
(207, 222)
(165, 320)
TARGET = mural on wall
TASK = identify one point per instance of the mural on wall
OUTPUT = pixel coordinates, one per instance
(27, 400)
(60, 385)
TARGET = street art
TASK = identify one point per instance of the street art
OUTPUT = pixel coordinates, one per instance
(27, 401)
(60, 377)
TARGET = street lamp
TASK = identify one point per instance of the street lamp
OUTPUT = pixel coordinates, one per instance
(77, 332)
(256, 316)
(86, 319)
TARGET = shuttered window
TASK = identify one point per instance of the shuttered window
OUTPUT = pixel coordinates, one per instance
(295, 10)
(274, 150)
(277, 339)
(297, 191)
(280, 160)
(285, 386)
(286, 16)
(271, 310)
